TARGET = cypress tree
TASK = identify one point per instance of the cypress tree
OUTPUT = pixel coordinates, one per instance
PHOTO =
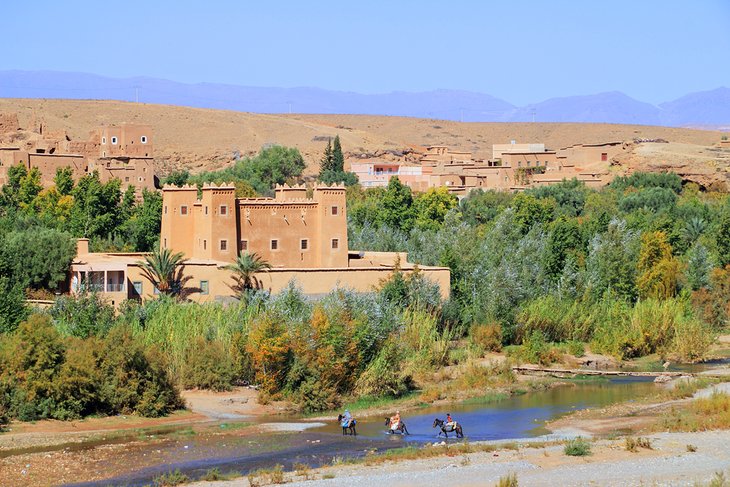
(338, 160)
(326, 163)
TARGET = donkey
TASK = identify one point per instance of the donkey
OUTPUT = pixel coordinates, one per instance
(401, 428)
(446, 429)
(348, 429)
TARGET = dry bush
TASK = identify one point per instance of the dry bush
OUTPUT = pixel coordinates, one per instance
(486, 338)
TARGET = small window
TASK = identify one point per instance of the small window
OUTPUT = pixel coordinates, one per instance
(137, 287)
(334, 210)
(126, 180)
(155, 290)
(604, 156)
(165, 209)
(164, 243)
(335, 243)
(114, 141)
(304, 244)
(274, 244)
(206, 210)
(103, 140)
(143, 139)
(205, 245)
(224, 245)
(243, 245)
(224, 210)
(204, 288)
(183, 210)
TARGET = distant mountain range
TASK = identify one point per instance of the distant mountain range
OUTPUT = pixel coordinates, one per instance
(701, 109)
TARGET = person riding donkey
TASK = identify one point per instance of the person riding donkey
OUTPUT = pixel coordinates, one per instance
(395, 421)
(450, 421)
(346, 418)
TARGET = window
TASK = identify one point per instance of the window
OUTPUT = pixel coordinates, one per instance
(137, 287)
(604, 156)
(103, 140)
(224, 210)
(206, 210)
(334, 210)
(165, 209)
(126, 180)
(114, 141)
(164, 243)
(155, 290)
(274, 244)
(519, 163)
(243, 245)
(204, 287)
(304, 244)
(143, 139)
(335, 243)
(183, 210)
(205, 244)
(224, 245)
(528, 163)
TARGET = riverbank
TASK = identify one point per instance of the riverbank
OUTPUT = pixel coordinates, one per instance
(668, 462)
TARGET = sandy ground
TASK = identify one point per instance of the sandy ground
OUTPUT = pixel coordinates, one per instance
(668, 463)
(204, 407)
(199, 139)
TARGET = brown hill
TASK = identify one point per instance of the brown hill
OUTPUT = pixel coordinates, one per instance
(199, 139)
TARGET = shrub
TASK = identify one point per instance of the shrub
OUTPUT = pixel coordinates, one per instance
(509, 480)
(171, 479)
(487, 338)
(384, 375)
(83, 315)
(633, 444)
(691, 448)
(208, 366)
(577, 447)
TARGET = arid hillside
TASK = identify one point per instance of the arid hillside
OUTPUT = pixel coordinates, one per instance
(199, 139)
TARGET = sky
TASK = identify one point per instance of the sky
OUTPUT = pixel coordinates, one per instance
(520, 51)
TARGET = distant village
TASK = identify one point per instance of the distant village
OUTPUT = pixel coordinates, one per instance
(303, 238)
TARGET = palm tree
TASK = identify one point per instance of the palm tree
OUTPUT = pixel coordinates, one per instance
(165, 270)
(244, 272)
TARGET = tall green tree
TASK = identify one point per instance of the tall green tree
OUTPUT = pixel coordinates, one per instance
(96, 207)
(326, 164)
(338, 159)
(396, 206)
(64, 180)
(37, 258)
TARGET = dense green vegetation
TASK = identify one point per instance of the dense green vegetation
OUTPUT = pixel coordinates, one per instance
(251, 175)
(637, 268)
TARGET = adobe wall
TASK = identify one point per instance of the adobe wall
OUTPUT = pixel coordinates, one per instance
(48, 164)
(313, 282)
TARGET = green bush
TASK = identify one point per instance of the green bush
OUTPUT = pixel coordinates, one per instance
(43, 375)
(577, 447)
(208, 366)
(83, 315)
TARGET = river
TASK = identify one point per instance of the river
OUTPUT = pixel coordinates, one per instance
(515, 417)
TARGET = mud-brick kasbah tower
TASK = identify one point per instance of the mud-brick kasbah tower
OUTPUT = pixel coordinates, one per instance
(288, 231)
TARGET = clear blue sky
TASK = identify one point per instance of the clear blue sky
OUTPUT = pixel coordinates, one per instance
(521, 51)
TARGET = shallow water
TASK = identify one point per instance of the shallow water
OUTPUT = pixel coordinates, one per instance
(518, 416)
(514, 417)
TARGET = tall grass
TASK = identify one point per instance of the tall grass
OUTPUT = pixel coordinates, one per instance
(175, 327)
(615, 327)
